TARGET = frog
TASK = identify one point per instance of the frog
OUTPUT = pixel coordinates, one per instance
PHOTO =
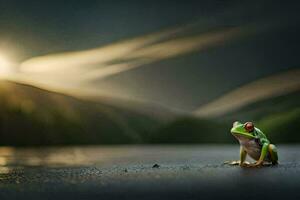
(254, 143)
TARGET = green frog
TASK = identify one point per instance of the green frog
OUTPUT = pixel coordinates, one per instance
(253, 142)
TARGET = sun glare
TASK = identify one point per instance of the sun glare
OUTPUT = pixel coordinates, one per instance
(5, 66)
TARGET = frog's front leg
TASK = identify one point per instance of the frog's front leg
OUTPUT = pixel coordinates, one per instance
(241, 162)
(243, 155)
(260, 161)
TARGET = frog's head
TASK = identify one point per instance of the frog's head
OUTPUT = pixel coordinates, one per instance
(243, 131)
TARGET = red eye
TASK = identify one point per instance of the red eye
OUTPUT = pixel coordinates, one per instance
(249, 126)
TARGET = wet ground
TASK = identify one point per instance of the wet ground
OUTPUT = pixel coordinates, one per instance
(144, 172)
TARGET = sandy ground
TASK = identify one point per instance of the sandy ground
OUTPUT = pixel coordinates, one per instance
(124, 172)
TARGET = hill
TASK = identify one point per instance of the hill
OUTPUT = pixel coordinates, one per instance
(193, 130)
(34, 116)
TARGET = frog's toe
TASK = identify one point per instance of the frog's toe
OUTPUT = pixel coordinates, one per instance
(236, 162)
(244, 164)
(256, 164)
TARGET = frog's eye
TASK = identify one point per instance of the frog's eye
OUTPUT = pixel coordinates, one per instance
(249, 126)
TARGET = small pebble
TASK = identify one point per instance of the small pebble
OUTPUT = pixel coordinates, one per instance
(155, 166)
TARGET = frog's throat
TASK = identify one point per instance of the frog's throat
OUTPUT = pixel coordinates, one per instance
(242, 134)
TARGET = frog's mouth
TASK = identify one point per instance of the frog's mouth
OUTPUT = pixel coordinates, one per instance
(238, 135)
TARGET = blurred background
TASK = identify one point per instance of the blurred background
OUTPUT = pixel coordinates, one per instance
(133, 72)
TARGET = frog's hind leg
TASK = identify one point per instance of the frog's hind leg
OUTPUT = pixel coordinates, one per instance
(273, 154)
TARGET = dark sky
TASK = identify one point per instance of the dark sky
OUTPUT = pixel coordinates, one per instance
(31, 28)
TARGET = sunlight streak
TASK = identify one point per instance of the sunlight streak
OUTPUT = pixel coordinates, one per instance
(113, 59)
(264, 88)
(98, 56)
(165, 50)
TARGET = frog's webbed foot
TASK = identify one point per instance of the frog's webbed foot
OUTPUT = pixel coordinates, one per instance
(257, 164)
(236, 162)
